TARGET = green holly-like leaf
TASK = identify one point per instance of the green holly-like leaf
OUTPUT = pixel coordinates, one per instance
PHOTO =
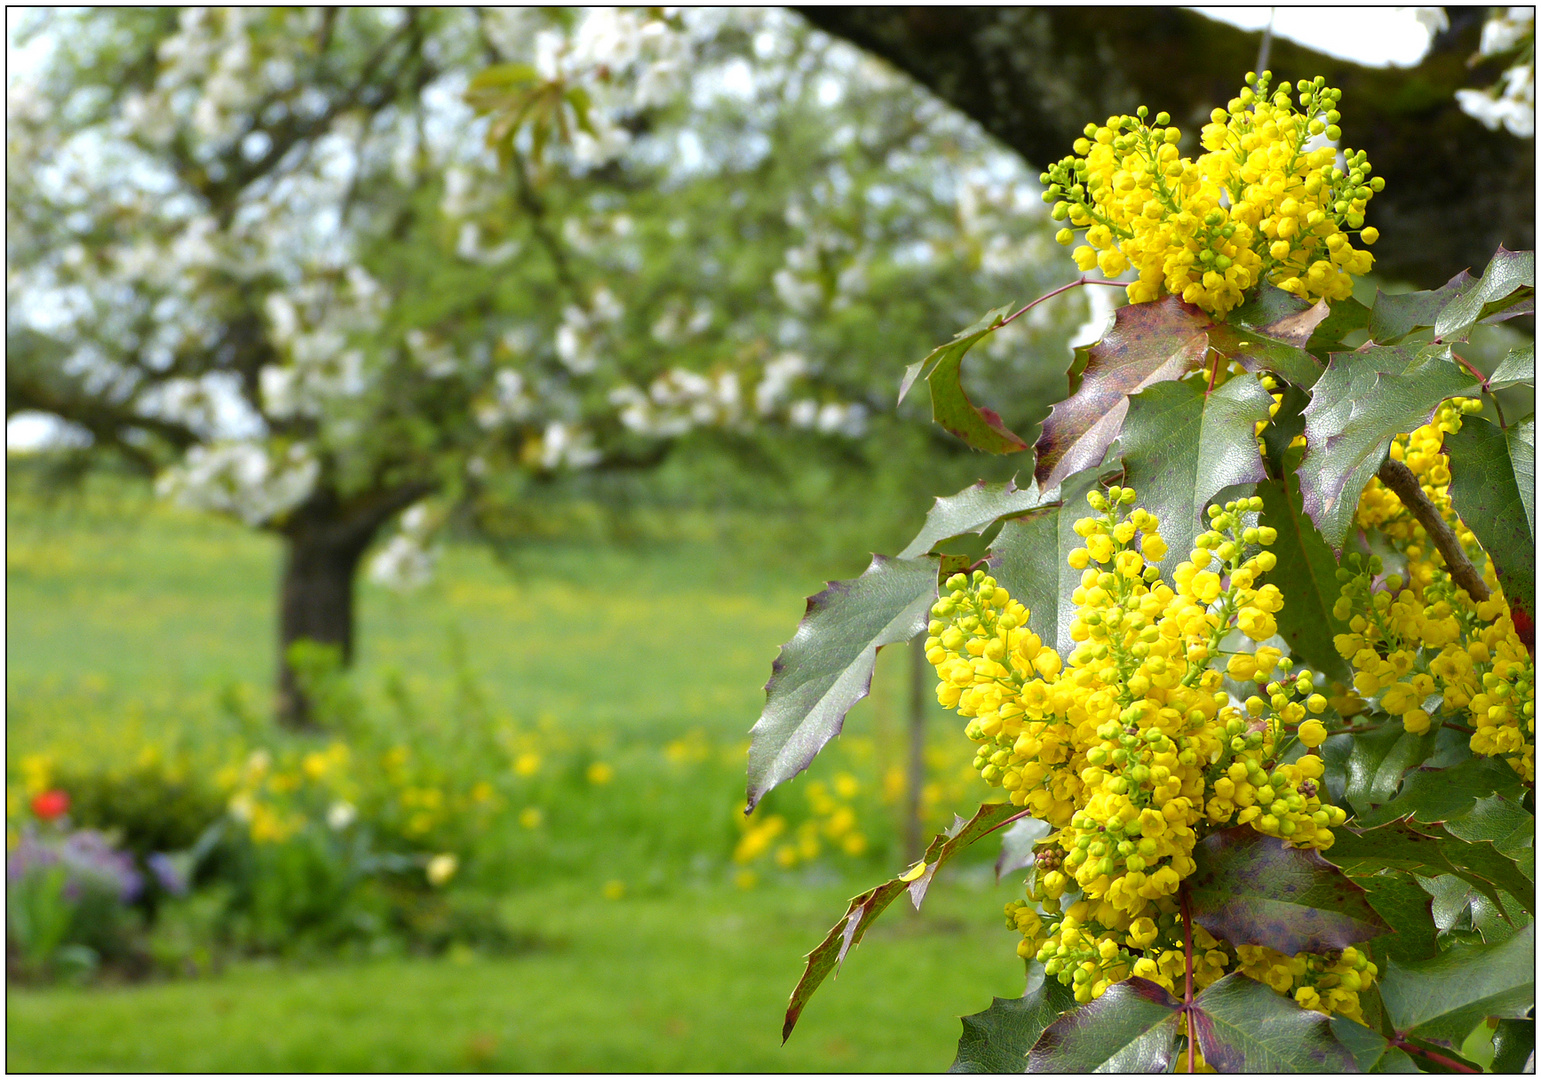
(998, 1040)
(1360, 402)
(1408, 909)
(1514, 1043)
(1508, 282)
(827, 956)
(1028, 560)
(1251, 889)
(1376, 762)
(1442, 999)
(1347, 315)
(1283, 428)
(973, 510)
(950, 406)
(1243, 1026)
(1394, 316)
(1516, 369)
(1148, 343)
(1305, 574)
(1372, 1051)
(1493, 488)
(1017, 842)
(1442, 794)
(1502, 822)
(1181, 445)
(1131, 1028)
(1459, 909)
(1426, 850)
(827, 666)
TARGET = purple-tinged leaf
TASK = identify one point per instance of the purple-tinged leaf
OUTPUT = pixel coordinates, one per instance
(864, 909)
(827, 666)
(998, 1040)
(1148, 343)
(1242, 1026)
(1251, 889)
(1131, 1028)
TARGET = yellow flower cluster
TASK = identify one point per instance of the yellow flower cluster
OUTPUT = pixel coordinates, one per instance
(1328, 984)
(833, 820)
(1263, 203)
(1419, 642)
(1132, 747)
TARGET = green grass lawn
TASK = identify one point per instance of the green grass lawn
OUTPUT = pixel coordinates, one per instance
(156, 624)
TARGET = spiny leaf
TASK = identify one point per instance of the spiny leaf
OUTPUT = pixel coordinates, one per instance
(1360, 402)
(973, 510)
(1509, 279)
(1427, 851)
(1408, 909)
(1347, 316)
(1243, 1026)
(1376, 762)
(1514, 1042)
(943, 370)
(1305, 573)
(998, 1039)
(1394, 316)
(1147, 344)
(1504, 823)
(827, 666)
(1180, 445)
(1372, 1051)
(1028, 558)
(864, 909)
(1459, 908)
(1131, 1028)
(1442, 794)
(1017, 845)
(1516, 368)
(1277, 345)
(1442, 999)
(1493, 488)
(1251, 889)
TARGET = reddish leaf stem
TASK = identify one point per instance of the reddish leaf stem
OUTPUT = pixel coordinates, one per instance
(1082, 280)
(1182, 896)
(1409, 1048)
(1486, 386)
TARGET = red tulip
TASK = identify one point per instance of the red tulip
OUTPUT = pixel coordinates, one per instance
(51, 804)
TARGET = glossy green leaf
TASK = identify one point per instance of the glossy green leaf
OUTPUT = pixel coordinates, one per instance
(1372, 1051)
(1377, 761)
(1147, 344)
(1243, 1026)
(1305, 574)
(1360, 402)
(1514, 1043)
(1251, 889)
(1181, 445)
(1518, 367)
(973, 510)
(1442, 999)
(1509, 278)
(1426, 850)
(998, 1040)
(1459, 909)
(1285, 425)
(1493, 488)
(1441, 794)
(827, 666)
(863, 910)
(1393, 316)
(1408, 909)
(1504, 823)
(950, 406)
(1346, 316)
(1028, 560)
(1257, 351)
(1131, 1028)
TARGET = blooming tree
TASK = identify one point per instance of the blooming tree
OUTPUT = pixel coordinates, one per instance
(314, 267)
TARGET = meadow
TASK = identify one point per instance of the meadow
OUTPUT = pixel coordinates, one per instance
(569, 720)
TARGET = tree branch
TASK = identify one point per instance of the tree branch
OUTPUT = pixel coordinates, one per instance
(1400, 479)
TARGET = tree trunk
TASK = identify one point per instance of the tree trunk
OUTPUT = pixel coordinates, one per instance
(1033, 76)
(315, 604)
(325, 538)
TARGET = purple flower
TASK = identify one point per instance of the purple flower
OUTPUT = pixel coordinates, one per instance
(171, 878)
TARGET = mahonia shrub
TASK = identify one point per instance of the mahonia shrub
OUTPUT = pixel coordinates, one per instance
(1261, 724)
